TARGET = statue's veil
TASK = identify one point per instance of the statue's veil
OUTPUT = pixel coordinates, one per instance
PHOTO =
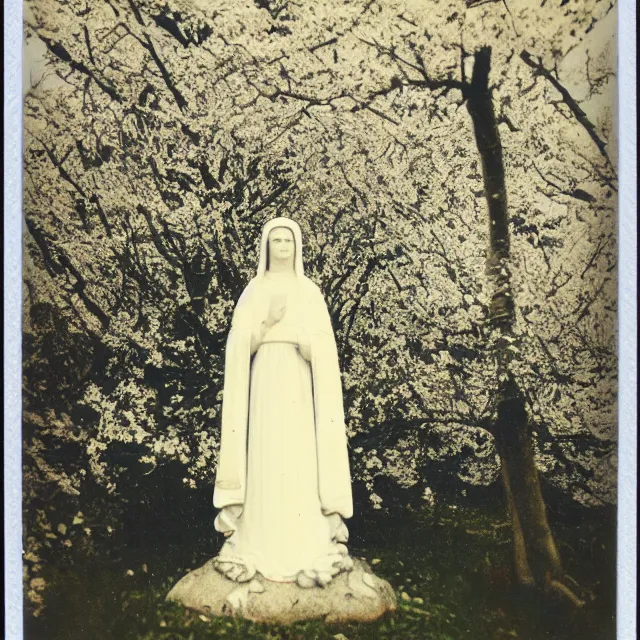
(264, 248)
(334, 478)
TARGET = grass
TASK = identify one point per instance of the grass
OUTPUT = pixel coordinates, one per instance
(453, 569)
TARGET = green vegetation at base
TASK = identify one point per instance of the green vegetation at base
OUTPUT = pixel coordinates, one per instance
(451, 570)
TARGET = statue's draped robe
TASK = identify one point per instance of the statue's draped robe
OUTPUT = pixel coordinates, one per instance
(283, 483)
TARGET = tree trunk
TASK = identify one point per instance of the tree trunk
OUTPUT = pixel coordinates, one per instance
(536, 556)
(513, 441)
(521, 563)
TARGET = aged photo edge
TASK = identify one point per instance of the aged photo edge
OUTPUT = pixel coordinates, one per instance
(627, 366)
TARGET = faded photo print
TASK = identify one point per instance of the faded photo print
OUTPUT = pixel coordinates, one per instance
(319, 319)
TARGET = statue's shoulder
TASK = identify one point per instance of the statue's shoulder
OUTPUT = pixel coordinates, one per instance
(247, 292)
(252, 285)
(316, 300)
(312, 288)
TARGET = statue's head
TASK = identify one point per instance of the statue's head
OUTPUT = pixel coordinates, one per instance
(282, 247)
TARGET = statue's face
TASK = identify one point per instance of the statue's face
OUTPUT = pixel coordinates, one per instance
(281, 244)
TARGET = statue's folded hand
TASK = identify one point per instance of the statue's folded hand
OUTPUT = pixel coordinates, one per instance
(277, 309)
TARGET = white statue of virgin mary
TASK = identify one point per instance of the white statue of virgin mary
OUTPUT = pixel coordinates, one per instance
(283, 484)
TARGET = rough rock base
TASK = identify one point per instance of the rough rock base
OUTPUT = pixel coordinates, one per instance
(357, 595)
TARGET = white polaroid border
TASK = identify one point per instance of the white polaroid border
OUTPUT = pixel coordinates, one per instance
(626, 596)
(12, 287)
(627, 304)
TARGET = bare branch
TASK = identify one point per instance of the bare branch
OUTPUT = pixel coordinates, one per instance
(571, 103)
(61, 53)
(323, 44)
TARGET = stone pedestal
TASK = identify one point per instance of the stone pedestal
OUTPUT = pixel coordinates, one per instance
(356, 595)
